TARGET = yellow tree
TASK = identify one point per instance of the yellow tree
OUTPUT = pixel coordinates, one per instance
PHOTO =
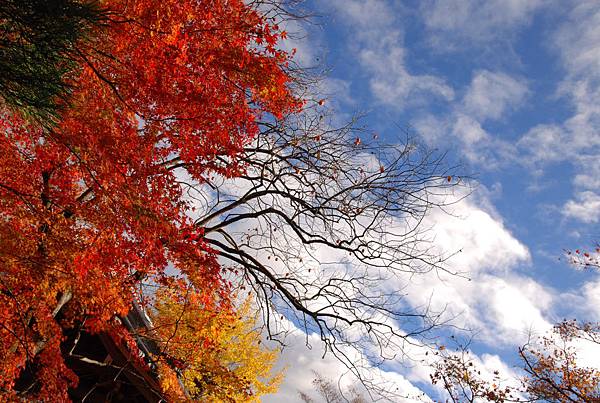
(217, 351)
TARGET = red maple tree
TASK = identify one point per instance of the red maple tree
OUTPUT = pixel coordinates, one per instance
(91, 207)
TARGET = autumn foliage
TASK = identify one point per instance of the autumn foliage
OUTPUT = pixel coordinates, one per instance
(90, 209)
(551, 365)
(554, 372)
(217, 351)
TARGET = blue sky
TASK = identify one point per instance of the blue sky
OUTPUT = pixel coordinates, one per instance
(511, 89)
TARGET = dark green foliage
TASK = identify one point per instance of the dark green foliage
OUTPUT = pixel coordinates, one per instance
(38, 50)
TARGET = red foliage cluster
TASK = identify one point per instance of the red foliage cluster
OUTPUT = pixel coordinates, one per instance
(91, 207)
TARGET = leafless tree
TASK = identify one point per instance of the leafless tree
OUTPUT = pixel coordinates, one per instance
(326, 224)
(331, 393)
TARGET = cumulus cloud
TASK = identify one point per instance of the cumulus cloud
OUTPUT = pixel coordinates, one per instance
(584, 300)
(476, 20)
(577, 139)
(542, 143)
(518, 304)
(493, 296)
(468, 129)
(303, 356)
(492, 93)
(378, 44)
(337, 90)
(490, 96)
(591, 294)
(366, 13)
(485, 243)
(578, 39)
(588, 176)
(431, 128)
(390, 81)
(587, 353)
(585, 207)
(578, 43)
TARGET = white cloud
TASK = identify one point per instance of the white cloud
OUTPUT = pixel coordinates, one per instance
(579, 39)
(378, 44)
(501, 303)
(576, 140)
(501, 310)
(588, 176)
(584, 300)
(542, 143)
(498, 298)
(301, 361)
(587, 353)
(591, 294)
(468, 129)
(492, 93)
(366, 13)
(494, 298)
(485, 243)
(392, 84)
(476, 20)
(518, 304)
(337, 90)
(432, 129)
(585, 207)
(489, 96)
